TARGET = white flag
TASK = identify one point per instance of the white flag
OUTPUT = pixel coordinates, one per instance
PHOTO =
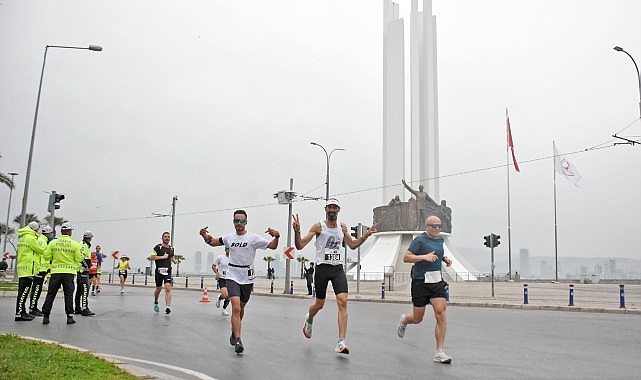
(565, 167)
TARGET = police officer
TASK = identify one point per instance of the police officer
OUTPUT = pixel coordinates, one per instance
(28, 247)
(65, 257)
(82, 277)
(41, 268)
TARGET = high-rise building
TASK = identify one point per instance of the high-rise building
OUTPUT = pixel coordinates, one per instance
(197, 262)
(210, 259)
(524, 262)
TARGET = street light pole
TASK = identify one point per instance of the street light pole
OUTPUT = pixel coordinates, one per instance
(328, 156)
(617, 48)
(23, 214)
(6, 226)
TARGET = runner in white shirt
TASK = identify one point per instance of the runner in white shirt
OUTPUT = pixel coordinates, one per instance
(330, 234)
(240, 274)
(220, 267)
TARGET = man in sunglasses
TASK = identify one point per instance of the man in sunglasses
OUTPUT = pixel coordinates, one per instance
(427, 254)
(240, 272)
(330, 235)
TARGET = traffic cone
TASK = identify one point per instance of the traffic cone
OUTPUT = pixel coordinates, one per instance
(205, 298)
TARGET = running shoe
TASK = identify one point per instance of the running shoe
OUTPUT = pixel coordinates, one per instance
(93, 293)
(224, 313)
(401, 326)
(218, 303)
(156, 308)
(232, 339)
(167, 310)
(441, 357)
(122, 291)
(307, 327)
(341, 347)
(238, 347)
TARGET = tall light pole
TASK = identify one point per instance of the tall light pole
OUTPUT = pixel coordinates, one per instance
(328, 156)
(6, 226)
(617, 48)
(23, 214)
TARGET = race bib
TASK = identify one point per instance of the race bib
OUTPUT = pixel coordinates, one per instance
(164, 271)
(121, 271)
(250, 273)
(433, 277)
(332, 257)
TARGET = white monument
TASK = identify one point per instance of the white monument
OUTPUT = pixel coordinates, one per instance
(386, 252)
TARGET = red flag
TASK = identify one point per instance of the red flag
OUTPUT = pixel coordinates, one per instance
(510, 143)
(115, 254)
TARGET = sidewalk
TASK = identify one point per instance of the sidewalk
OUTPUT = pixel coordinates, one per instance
(598, 298)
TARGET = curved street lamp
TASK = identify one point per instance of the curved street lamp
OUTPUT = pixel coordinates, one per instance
(328, 156)
(23, 214)
(617, 48)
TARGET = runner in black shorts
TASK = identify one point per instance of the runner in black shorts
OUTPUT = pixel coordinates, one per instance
(426, 252)
(163, 255)
(330, 235)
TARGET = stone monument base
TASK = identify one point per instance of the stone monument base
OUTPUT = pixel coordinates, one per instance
(385, 257)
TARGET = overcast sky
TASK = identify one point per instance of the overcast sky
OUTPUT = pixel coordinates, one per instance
(216, 102)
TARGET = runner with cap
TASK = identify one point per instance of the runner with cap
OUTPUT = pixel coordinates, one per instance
(330, 235)
(29, 249)
(220, 266)
(123, 266)
(65, 257)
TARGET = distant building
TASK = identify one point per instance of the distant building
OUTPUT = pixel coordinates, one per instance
(198, 262)
(210, 259)
(524, 262)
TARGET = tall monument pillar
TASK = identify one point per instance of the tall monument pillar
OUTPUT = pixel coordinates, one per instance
(423, 168)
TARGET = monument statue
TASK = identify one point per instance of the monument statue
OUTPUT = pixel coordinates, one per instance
(423, 203)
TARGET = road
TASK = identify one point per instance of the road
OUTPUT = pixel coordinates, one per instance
(486, 343)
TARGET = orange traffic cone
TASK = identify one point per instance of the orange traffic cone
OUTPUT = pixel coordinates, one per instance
(205, 297)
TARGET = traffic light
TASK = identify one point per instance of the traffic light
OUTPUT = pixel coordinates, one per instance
(495, 240)
(54, 201)
(355, 233)
(488, 241)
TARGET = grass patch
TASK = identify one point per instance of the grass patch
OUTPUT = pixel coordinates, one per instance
(8, 286)
(27, 359)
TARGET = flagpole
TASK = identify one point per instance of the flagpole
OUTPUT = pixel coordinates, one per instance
(556, 250)
(509, 223)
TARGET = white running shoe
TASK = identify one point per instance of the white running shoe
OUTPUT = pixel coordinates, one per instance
(307, 327)
(441, 357)
(218, 303)
(401, 326)
(341, 347)
(224, 313)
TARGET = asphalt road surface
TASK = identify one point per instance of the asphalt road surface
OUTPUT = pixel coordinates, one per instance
(193, 341)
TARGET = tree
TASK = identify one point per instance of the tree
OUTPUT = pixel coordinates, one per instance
(58, 220)
(4, 178)
(3, 229)
(28, 219)
(179, 259)
(269, 259)
(302, 260)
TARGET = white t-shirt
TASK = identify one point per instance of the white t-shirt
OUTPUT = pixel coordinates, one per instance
(222, 264)
(329, 245)
(242, 251)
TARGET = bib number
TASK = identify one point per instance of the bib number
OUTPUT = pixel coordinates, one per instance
(332, 257)
(164, 271)
(433, 277)
(250, 273)
(122, 271)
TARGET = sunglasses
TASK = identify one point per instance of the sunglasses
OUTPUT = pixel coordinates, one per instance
(241, 221)
(435, 226)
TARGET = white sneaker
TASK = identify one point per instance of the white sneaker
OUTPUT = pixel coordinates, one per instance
(441, 357)
(401, 326)
(218, 303)
(341, 347)
(307, 327)
(224, 313)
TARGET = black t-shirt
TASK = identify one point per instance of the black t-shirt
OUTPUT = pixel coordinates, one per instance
(160, 251)
(3, 265)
